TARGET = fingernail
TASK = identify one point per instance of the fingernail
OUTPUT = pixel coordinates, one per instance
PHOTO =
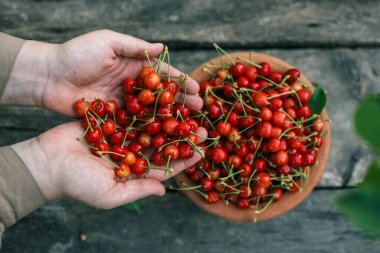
(158, 44)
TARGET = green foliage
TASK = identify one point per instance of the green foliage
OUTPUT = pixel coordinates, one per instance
(362, 205)
(317, 101)
(134, 206)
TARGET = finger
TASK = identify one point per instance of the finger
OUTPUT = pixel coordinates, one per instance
(129, 46)
(191, 86)
(194, 102)
(123, 193)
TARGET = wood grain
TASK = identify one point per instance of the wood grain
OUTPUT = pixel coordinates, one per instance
(197, 23)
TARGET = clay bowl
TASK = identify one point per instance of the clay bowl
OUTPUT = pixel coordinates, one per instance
(289, 200)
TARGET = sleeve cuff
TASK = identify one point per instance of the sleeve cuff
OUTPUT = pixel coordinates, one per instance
(19, 193)
(9, 48)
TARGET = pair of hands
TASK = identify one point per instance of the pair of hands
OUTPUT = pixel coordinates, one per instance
(54, 77)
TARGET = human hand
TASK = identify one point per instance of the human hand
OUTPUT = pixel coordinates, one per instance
(64, 168)
(91, 65)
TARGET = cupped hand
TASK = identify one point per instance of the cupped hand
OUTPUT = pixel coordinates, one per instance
(64, 168)
(95, 65)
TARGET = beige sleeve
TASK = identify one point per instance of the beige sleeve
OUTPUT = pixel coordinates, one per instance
(19, 193)
(9, 48)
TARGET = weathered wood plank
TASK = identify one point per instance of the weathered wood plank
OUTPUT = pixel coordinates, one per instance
(346, 74)
(314, 226)
(189, 24)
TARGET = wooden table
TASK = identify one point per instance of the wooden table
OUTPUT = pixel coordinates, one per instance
(334, 44)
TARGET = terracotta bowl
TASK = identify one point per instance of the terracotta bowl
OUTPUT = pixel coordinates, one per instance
(289, 200)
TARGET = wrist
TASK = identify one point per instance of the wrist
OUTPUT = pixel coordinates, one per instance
(36, 160)
(30, 75)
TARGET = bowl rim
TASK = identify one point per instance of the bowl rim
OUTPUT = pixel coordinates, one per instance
(288, 201)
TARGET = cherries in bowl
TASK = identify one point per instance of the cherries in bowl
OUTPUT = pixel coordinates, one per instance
(265, 150)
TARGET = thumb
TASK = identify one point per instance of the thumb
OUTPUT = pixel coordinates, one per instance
(123, 193)
(129, 46)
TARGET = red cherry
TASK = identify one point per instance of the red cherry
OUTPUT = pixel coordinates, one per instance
(260, 165)
(214, 111)
(135, 148)
(129, 83)
(214, 173)
(181, 110)
(317, 140)
(233, 119)
(303, 96)
(159, 140)
(140, 166)
(246, 191)
(243, 203)
(296, 160)
(185, 151)
(245, 170)
(281, 158)
(304, 111)
(171, 151)
(278, 118)
(169, 126)
(264, 129)
(309, 159)
(295, 187)
(164, 112)
(158, 158)
(99, 147)
(223, 128)
(146, 97)
(265, 69)
(165, 98)
(234, 161)
(275, 104)
(241, 150)
(117, 136)
(218, 155)
(289, 103)
(173, 86)
(153, 127)
(238, 69)
(251, 73)
(183, 129)
(91, 120)
(274, 145)
(133, 105)
(263, 179)
(145, 71)
(145, 140)
(275, 76)
(247, 121)
(242, 82)
(111, 107)
(277, 194)
(284, 170)
(266, 114)
(259, 98)
(207, 184)
(99, 107)
(121, 117)
(152, 80)
(93, 136)
(108, 127)
(119, 150)
(123, 171)
(293, 74)
(212, 197)
(81, 107)
(228, 91)
(203, 164)
(193, 125)
(259, 190)
(217, 82)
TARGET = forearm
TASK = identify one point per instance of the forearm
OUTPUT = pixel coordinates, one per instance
(29, 75)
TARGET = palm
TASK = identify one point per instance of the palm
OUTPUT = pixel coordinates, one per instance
(82, 176)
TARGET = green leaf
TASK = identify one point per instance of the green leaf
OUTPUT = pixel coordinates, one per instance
(134, 206)
(317, 101)
(367, 121)
(362, 205)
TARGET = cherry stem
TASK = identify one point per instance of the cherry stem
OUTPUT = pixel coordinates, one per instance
(232, 108)
(242, 131)
(170, 187)
(249, 61)
(127, 132)
(88, 122)
(266, 159)
(254, 154)
(85, 143)
(108, 160)
(265, 207)
(220, 50)
(147, 57)
(231, 175)
(251, 176)
(196, 189)
(217, 97)
(281, 94)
